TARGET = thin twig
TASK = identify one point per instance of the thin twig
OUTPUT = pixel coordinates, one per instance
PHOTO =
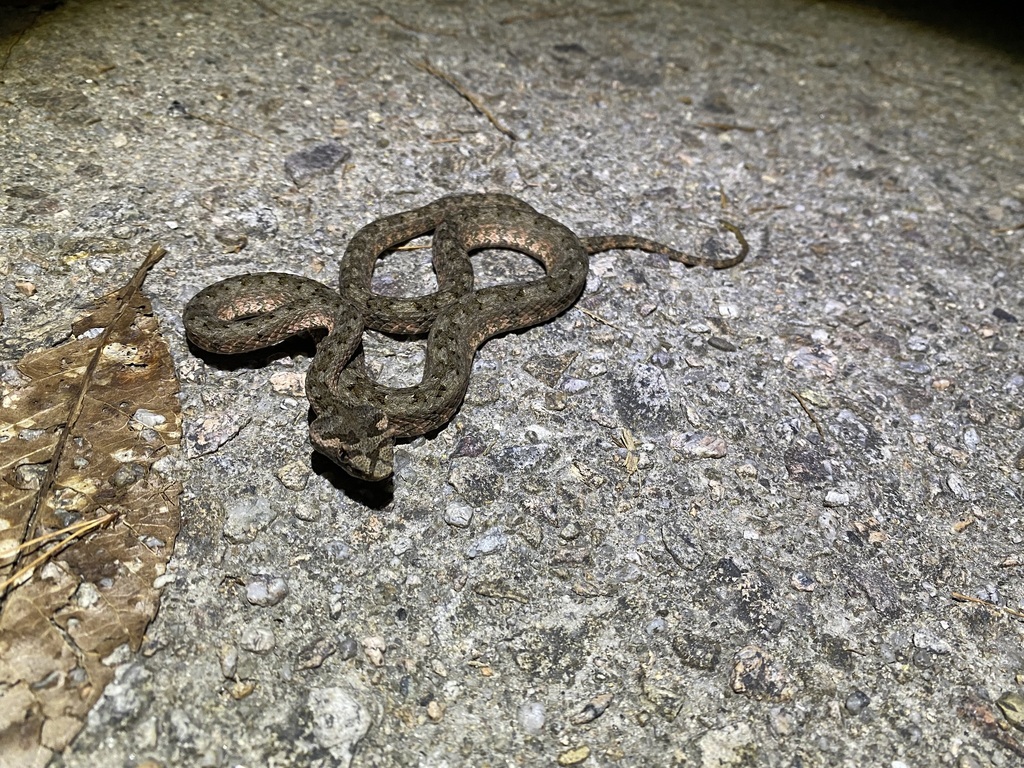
(465, 93)
(961, 598)
(190, 115)
(598, 319)
(810, 414)
(1008, 230)
(78, 530)
(274, 12)
(538, 16)
(729, 127)
(413, 28)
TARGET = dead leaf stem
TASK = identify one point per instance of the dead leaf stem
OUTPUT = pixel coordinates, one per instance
(124, 300)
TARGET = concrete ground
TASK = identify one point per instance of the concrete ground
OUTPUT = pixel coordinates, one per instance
(770, 515)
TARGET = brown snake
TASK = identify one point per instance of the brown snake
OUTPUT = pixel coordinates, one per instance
(357, 419)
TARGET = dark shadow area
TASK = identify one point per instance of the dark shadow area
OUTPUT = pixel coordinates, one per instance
(302, 345)
(994, 23)
(17, 16)
(373, 495)
(376, 496)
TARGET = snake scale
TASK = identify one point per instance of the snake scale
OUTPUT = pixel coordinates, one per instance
(357, 419)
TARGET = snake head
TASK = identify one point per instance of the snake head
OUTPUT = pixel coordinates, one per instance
(358, 440)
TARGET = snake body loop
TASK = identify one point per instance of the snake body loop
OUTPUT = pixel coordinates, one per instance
(357, 419)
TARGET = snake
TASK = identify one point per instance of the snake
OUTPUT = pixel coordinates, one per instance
(356, 419)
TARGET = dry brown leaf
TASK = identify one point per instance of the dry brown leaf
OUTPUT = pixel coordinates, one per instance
(87, 522)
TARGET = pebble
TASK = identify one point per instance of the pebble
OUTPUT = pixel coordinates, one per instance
(1011, 704)
(211, 432)
(339, 722)
(435, 710)
(127, 474)
(288, 383)
(573, 385)
(549, 369)
(723, 345)
(682, 544)
(318, 160)
(241, 689)
(295, 475)
(471, 444)
(989, 593)
(802, 581)
(663, 359)
(574, 756)
(929, 641)
(535, 433)
(956, 484)
(837, 499)
(781, 722)
(857, 702)
(245, 518)
(493, 540)
(699, 445)
(337, 550)
(307, 510)
(656, 626)
(570, 531)
(148, 418)
(374, 647)
(348, 648)
(644, 397)
(265, 592)
(592, 710)
(819, 361)
(919, 369)
(531, 717)
(696, 651)
(729, 311)
(257, 639)
(228, 658)
(756, 674)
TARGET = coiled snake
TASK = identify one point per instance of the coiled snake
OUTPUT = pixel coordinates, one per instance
(357, 419)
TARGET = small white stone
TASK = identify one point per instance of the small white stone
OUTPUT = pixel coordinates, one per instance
(837, 499)
(531, 717)
(257, 639)
(148, 418)
(458, 514)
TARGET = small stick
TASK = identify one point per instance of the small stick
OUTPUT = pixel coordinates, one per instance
(189, 115)
(274, 12)
(468, 95)
(77, 531)
(598, 319)
(412, 28)
(729, 127)
(810, 414)
(961, 598)
(1008, 230)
